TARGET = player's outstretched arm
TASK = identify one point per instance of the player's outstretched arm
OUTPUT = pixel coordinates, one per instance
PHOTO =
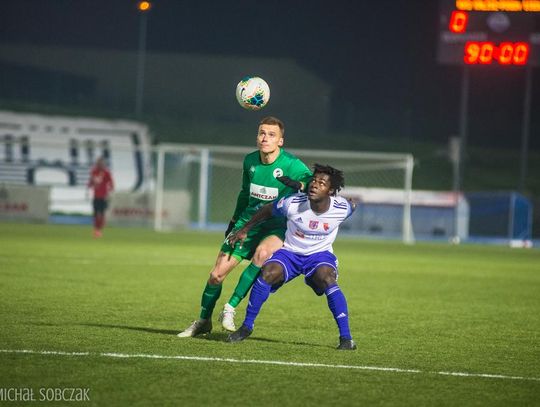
(263, 213)
(296, 185)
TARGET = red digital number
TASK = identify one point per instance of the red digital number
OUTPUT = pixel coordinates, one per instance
(458, 22)
(478, 52)
(486, 53)
(507, 53)
(521, 53)
(472, 50)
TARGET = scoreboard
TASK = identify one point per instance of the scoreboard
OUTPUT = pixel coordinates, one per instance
(489, 32)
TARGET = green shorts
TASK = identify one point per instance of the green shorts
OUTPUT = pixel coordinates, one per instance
(256, 235)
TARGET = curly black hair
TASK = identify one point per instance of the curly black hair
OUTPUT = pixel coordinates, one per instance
(337, 180)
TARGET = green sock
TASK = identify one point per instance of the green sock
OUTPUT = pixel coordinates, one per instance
(249, 275)
(209, 298)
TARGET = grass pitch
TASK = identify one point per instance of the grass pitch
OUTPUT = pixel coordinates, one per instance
(436, 324)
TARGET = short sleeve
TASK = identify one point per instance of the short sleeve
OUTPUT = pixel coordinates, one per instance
(280, 207)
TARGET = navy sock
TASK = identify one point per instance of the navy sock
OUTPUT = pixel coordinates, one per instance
(338, 305)
(259, 294)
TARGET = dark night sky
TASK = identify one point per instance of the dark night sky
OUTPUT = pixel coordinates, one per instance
(380, 56)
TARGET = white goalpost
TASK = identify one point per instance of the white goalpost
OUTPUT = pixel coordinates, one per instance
(210, 178)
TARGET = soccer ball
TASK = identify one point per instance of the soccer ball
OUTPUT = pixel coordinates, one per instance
(252, 93)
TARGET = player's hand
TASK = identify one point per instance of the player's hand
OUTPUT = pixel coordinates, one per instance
(237, 237)
(354, 201)
(296, 185)
(229, 228)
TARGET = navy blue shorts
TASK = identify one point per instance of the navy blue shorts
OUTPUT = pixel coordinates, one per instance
(100, 205)
(296, 264)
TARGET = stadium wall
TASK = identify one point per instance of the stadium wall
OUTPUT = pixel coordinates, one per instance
(58, 152)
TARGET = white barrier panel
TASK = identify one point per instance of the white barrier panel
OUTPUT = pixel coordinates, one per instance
(433, 214)
(137, 209)
(59, 151)
(20, 203)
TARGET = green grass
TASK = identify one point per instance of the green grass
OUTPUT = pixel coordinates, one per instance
(427, 307)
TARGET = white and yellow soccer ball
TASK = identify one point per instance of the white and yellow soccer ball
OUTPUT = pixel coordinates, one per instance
(252, 93)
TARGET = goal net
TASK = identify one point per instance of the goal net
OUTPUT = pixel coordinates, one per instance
(211, 176)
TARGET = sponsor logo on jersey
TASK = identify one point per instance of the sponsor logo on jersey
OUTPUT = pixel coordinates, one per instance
(263, 193)
(298, 220)
(252, 169)
(278, 172)
(326, 226)
(299, 234)
(315, 236)
(313, 224)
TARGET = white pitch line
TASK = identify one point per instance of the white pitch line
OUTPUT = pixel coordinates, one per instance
(268, 362)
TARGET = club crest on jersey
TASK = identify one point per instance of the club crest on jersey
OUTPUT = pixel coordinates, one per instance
(313, 224)
(326, 226)
(278, 172)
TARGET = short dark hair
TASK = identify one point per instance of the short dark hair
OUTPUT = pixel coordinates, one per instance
(337, 180)
(273, 121)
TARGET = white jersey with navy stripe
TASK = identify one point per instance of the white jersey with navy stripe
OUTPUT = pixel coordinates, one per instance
(309, 232)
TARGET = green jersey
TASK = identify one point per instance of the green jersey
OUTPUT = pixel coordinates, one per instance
(259, 187)
(259, 183)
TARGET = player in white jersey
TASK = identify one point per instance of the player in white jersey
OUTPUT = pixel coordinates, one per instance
(313, 221)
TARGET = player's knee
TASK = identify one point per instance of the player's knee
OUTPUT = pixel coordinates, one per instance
(261, 255)
(272, 275)
(324, 277)
(216, 277)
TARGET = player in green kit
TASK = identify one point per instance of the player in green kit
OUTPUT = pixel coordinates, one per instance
(268, 174)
